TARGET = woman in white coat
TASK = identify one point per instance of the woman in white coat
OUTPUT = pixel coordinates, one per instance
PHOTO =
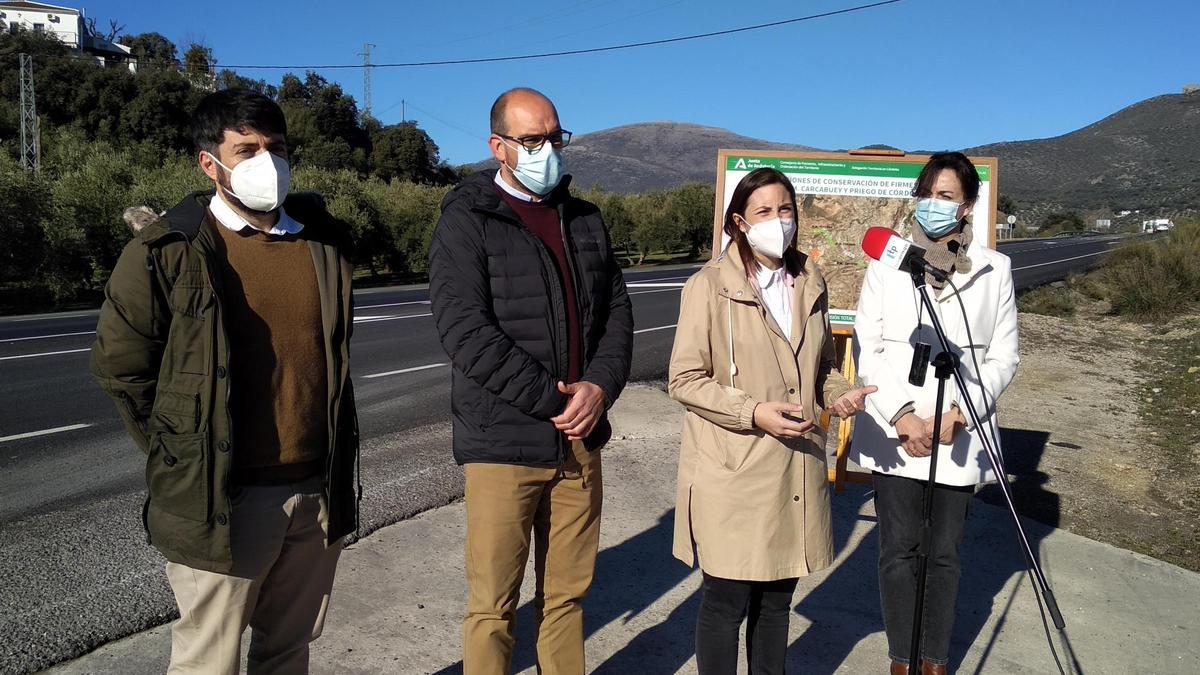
(894, 440)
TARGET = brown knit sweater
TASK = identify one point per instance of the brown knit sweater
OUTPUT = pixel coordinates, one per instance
(277, 366)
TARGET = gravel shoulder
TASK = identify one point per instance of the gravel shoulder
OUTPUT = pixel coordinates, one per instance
(1101, 431)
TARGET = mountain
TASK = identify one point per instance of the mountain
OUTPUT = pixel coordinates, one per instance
(1146, 156)
(650, 156)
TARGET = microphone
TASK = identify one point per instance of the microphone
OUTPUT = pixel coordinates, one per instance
(898, 253)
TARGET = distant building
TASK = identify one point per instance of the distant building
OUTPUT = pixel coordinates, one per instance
(1103, 224)
(68, 25)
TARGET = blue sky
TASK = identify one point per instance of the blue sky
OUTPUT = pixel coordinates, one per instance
(918, 74)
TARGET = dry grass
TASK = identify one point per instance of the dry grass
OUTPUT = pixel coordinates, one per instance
(1155, 280)
(1052, 300)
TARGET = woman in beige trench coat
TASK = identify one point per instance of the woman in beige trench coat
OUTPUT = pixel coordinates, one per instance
(753, 364)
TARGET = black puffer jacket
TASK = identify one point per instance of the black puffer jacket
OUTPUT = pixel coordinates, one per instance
(502, 318)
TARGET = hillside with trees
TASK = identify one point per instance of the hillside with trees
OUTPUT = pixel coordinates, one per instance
(1142, 157)
(111, 139)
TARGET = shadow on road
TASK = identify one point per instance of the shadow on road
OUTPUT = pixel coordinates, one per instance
(843, 608)
(630, 577)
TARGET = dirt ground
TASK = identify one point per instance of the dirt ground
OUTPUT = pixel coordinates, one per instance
(1100, 430)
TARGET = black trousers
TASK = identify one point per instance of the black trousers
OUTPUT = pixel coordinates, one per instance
(898, 505)
(724, 603)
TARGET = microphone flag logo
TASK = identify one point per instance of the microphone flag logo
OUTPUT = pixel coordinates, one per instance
(893, 255)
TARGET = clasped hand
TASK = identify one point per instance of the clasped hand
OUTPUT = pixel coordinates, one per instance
(916, 433)
(585, 405)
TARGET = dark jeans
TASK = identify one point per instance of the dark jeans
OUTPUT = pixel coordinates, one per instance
(724, 603)
(898, 504)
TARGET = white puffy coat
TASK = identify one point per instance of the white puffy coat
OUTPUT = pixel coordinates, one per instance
(885, 332)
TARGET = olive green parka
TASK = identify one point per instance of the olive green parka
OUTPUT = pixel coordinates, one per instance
(162, 352)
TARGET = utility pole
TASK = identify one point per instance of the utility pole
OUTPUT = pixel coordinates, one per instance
(31, 154)
(366, 54)
(403, 111)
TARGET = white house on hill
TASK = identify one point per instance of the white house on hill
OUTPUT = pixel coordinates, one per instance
(68, 25)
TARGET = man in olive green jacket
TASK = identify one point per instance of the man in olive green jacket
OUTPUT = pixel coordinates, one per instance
(224, 339)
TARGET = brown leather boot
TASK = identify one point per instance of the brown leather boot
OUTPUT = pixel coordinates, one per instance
(932, 669)
(899, 668)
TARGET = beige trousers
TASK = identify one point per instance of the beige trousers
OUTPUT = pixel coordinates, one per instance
(279, 586)
(562, 509)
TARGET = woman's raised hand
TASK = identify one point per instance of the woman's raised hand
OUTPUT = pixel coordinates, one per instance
(782, 420)
(852, 402)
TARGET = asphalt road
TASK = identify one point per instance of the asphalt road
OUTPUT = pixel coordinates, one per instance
(76, 568)
(1040, 261)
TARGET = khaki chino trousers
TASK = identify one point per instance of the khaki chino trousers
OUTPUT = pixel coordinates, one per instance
(561, 507)
(279, 586)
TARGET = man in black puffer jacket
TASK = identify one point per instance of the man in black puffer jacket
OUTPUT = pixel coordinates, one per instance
(531, 307)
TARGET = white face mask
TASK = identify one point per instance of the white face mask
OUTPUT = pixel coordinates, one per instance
(540, 170)
(260, 183)
(772, 237)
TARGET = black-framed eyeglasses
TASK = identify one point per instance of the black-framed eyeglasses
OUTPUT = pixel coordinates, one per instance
(558, 139)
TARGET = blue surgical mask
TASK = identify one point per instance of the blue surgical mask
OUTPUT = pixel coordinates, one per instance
(539, 170)
(937, 217)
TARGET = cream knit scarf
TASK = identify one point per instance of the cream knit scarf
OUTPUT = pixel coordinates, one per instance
(949, 254)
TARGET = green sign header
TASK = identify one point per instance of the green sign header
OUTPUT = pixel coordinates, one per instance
(837, 167)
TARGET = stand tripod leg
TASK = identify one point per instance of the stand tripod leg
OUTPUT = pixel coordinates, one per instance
(993, 456)
(944, 364)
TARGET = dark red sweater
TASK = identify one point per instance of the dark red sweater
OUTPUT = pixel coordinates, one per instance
(541, 218)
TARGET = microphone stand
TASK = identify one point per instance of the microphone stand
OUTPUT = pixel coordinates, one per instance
(946, 364)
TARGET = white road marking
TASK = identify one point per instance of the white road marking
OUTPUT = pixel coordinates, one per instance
(47, 337)
(406, 370)
(31, 356)
(44, 432)
(1055, 262)
(633, 283)
(393, 304)
(657, 290)
(48, 317)
(650, 330)
(377, 319)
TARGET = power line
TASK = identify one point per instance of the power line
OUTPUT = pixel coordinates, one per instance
(444, 122)
(527, 57)
(572, 52)
(452, 125)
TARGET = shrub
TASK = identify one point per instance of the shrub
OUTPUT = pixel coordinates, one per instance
(1155, 280)
(411, 213)
(1090, 285)
(392, 222)
(23, 212)
(1052, 300)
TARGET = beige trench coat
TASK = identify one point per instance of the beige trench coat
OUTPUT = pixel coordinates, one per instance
(753, 507)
